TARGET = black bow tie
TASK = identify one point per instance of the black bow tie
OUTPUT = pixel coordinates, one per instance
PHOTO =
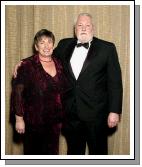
(86, 45)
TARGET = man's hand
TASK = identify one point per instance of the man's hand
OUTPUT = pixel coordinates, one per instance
(113, 120)
(16, 68)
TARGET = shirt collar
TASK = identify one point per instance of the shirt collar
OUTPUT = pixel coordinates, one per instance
(85, 42)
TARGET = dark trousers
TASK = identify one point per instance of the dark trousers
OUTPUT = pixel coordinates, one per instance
(78, 133)
(42, 140)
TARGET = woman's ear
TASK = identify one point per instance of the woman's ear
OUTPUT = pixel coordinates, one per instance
(36, 48)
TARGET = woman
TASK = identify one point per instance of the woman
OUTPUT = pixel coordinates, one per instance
(36, 98)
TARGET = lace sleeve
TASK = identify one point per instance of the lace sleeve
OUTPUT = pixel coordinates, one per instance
(18, 86)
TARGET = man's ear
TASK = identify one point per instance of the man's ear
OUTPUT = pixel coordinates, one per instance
(93, 29)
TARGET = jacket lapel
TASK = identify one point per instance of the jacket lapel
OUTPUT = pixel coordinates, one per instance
(68, 54)
(91, 53)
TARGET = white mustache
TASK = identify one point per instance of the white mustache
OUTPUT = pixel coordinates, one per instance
(83, 33)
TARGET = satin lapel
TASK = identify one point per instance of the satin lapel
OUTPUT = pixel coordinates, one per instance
(91, 53)
(68, 55)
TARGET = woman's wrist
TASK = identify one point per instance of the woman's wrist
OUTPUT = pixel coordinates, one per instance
(18, 118)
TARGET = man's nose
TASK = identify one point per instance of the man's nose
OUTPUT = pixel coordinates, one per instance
(84, 28)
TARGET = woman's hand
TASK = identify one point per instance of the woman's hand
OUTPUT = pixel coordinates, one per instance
(20, 125)
(16, 68)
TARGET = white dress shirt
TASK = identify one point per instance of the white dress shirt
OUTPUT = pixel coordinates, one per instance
(78, 58)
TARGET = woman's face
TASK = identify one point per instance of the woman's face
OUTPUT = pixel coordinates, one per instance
(45, 46)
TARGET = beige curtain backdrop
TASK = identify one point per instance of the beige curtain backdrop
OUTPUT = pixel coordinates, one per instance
(112, 23)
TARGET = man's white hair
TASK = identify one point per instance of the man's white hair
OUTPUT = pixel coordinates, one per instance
(82, 14)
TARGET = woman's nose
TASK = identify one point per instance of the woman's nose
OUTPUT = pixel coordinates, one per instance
(46, 46)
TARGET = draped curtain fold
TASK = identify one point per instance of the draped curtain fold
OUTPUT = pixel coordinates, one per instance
(112, 23)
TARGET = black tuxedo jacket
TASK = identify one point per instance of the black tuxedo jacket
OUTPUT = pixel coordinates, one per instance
(98, 89)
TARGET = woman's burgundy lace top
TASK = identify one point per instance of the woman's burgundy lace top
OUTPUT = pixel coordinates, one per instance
(36, 96)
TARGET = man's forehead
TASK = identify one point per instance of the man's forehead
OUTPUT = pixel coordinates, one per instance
(84, 19)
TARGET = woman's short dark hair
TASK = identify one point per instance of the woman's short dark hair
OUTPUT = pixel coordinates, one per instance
(39, 35)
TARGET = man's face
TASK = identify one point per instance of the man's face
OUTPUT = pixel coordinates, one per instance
(84, 29)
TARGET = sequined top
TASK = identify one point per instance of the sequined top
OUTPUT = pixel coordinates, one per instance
(36, 95)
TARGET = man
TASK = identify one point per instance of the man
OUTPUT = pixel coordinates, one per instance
(94, 100)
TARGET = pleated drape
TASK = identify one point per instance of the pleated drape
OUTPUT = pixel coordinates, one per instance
(112, 23)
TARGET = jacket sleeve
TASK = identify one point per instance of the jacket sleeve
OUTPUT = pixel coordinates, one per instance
(114, 82)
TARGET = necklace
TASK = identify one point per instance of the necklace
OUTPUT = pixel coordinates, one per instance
(46, 61)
